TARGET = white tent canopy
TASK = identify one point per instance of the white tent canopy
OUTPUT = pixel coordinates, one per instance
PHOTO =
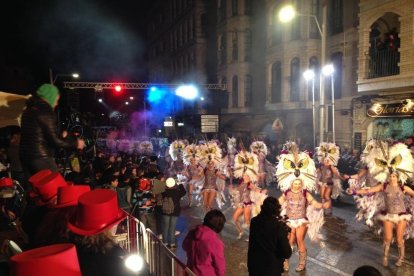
(11, 108)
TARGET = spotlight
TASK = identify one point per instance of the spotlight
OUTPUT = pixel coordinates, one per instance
(131, 98)
(100, 100)
(134, 262)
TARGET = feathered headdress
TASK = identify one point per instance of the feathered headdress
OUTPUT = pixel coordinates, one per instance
(191, 151)
(371, 144)
(246, 163)
(146, 148)
(328, 150)
(231, 145)
(176, 147)
(384, 160)
(296, 166)
(258, 147)
(210, 151)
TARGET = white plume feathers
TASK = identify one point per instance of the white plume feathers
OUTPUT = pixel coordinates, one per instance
(328, 150)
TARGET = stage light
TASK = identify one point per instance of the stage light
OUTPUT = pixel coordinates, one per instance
(118, 88)
(188, 92)
(131, 98)
(100, 100)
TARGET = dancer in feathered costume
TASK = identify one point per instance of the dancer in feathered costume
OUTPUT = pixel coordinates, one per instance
(329, 178)
(176, 154)
(228, 162)
(246, 197)
(213, 184)
(391, 166)
(260, 149)
(193, 171)
(296, 175)
(146, 148)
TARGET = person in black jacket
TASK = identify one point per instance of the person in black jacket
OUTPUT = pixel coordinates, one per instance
(268, 243)
(40, 138)
(171, 210)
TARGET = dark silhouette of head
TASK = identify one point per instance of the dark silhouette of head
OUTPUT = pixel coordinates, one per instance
(215, 220)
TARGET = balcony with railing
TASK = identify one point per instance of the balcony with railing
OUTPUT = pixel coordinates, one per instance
(383, 63)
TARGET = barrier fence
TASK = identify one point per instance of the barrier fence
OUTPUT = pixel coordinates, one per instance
(142, 241)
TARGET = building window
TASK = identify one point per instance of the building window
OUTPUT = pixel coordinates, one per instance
(295, 24)
(384, 55)
(337, 77)
(248, 7)
(314, 65)
(336, 16)
(221, 49)
(235, 91)
(277, 29)
(294, 80)
(221, 15)
(313, 27)
(234, 7)
(204, 24)
(248, 46)
(234, 47)
(248, 93)
(276, 95)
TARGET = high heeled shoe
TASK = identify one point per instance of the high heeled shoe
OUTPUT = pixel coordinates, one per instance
(240, 236)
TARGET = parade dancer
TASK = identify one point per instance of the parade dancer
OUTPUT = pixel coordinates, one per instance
(296, 174)
(210, 185)
(329, 178)
(193, 171)
(392, 166)
(260, 149)
(176, 154)
(245, 167)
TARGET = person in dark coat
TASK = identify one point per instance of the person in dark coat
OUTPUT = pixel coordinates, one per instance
(39, 133)
(171, 210)
(268, 242)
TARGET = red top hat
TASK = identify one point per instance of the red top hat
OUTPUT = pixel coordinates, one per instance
(96, 212)
(38, 176)
(144, 184)
(52, 260)
(46, 188)
(6, 182)
(69, 195)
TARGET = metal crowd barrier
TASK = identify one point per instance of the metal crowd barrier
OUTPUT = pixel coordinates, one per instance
(142, 241)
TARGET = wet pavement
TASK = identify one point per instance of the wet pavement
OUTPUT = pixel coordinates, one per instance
(347, 244)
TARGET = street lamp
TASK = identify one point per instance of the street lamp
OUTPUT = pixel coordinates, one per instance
(286, 14)
(310, 75)
(328, 70)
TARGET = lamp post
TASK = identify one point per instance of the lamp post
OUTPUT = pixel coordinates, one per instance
(328, 71)
(310, 75)
(286, 14)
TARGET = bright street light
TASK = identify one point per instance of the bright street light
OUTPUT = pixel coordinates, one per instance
(328, 70)
(53, 79)
(286, 14)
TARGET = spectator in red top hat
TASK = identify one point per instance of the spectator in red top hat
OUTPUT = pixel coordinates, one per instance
(52, 260)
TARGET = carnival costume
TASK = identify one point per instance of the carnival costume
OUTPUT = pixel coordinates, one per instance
(392, 203)
(326, 174)
(146, 148)
(299, 206)
(265, 167)
(193, 171)
(176, 153)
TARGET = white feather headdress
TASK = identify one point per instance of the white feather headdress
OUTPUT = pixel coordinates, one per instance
(328, 150)
(384, 159)
(176, 147)
(246, 163)
(191, 151)
(296, 166)
(231, 145)
(210, 151)
(258, 147)
(146, 148)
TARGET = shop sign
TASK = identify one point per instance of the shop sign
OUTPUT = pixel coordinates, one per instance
(391, 109)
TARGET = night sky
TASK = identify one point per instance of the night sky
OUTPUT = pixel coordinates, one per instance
(101, 40)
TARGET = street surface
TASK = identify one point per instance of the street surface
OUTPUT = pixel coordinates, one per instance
(348, 244)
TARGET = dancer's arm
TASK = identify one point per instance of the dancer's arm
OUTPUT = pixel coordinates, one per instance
(364, 191)
(316, 204)
(408, 191)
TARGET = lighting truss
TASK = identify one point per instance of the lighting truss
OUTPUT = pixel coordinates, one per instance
(100, 86)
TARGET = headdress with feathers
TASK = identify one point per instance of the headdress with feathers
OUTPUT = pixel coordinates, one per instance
(231, 145)
(246, 163)
(210, 151)
(191, 151)
(385, 159)
(258, 147)
(176, 147)
(328, 150)
(296, 166)
(146, 148)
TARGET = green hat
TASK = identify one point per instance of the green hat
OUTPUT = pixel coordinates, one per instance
(48, 92)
